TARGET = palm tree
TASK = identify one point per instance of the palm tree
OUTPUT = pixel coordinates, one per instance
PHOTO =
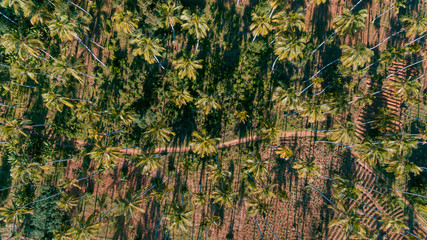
(158, 132)
(414, 25)
(343, 133)
(203, 144)
(180, 97)
(66, 68)
(199, 198)
(37, 12)
(149, 48)
(395, 226)
(242, 116)
(84, 230)
(318, 2)
(161, 192)
(290, 48)
(258, 206)
(349, 22)
(261, 25)
(356, 56)
(349, 221)
(284, 152)
(314, 111)
(270, 131)
(287, 98)
(125, 22)
(402, 167)
(63, 27)
(14, 128)
(105, 157)
(307, 168)
(129, 206)
(345, 188)
(398, 4)
(404, 88)
(374, 153)
(67, 202)
(257, 167)
(288, 22)
(17, 5)
(187, 66)
(29, 172)
(148, 163)
(195, 24)
(216, 173)
(21, 45)
(87, 112)
(56, 101)
(384, 119)
(169, 14)
(265, 192)
(179, 217)
(121, 113)
(207, 103)
(224, 195)
(13, 214)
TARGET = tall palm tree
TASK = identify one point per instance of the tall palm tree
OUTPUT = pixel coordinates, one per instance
(14, 128)
(261, 24)
(349, 22)
(288, 22)
(87, 112)
(14, 214)
(125, 21)
(395, 226)
(67, 202)
(21, 44)
(84, 229)
(349, 220)
(284, 152)
(203, 144)
(216, 173)
(180, 97)
(414, 25)
(169, 13)
(374, 153)
(29, 172)
(121, 113)
(258, 206)
(63, 27)
(207, 103)
(66, 68)
(402, 167)
(287, 98)
(224, 195)
(307, 168)
(158, 132)
(343, 133)
(289, 48)
(129, 206)
(356, 56)
(187, 66)
(270, 131)
(345, 188)
(179, 217)
(105, 157)
(149, 48)
(148, 163)
(405, 88)
(314, 111)
(257, 167)
(56, 102)
(195, 24)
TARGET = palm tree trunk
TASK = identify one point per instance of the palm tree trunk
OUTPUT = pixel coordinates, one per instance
(305, 89)
(387, 38)
(270, 228)
(371, 65)
(409, 193)
(42, 125)
(259, 230)
(62, 160)
(421, 119)
(307, 6)
(255, 37)
(23, 184)
(79, 7)
(11, 106)
(238, 2)
(23, 85)
(356, 5)
(274, 63)
(415, 40)
(8, 18)
(158, 61)
(197, 45)
(327, 65)
(333, 204)
(322, 43)
(42, 199)
(90, 39)
(272, 11)
(158, 225)
(297, 233)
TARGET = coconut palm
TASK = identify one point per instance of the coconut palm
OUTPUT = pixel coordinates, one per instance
(67, 202)
(199, 198)
(203, 144)
(125, 21)
(158, 132)
(105, 157)
(402, 145)
(129, 206)
(169, 13)
(349, 22)
(393, 225)
(269, 131)
(13, 214)
(187, 66)
(63, 27)
(224, 195)
(258, 206)
(414, 25)
(356, 56)
(392, 55)
(402, 167)
(37, 12)
(21, 44)
(69, 183)
(307, 168)
(16, 5)
(290, 48)
(161, 192)
(314, 111)
(121, 113)
(148, 163)
(286, 98)
(373, 153)
(343, 133)
(87, 112)
(257, 167)
(404, 88)
(384, 119)
(29, 172)
(288, 22)
(84, 229)
(345, 188)
(149, 48)
(261, 24)
(195, 24)
(284, 152)
(266, 192)
(180, 97)
(242, 116)
(65, 68)
(216, 174)
(349, 221)
(207, 103)
(56, 102)
(14, 128)
(22, 72)
(179, 217)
